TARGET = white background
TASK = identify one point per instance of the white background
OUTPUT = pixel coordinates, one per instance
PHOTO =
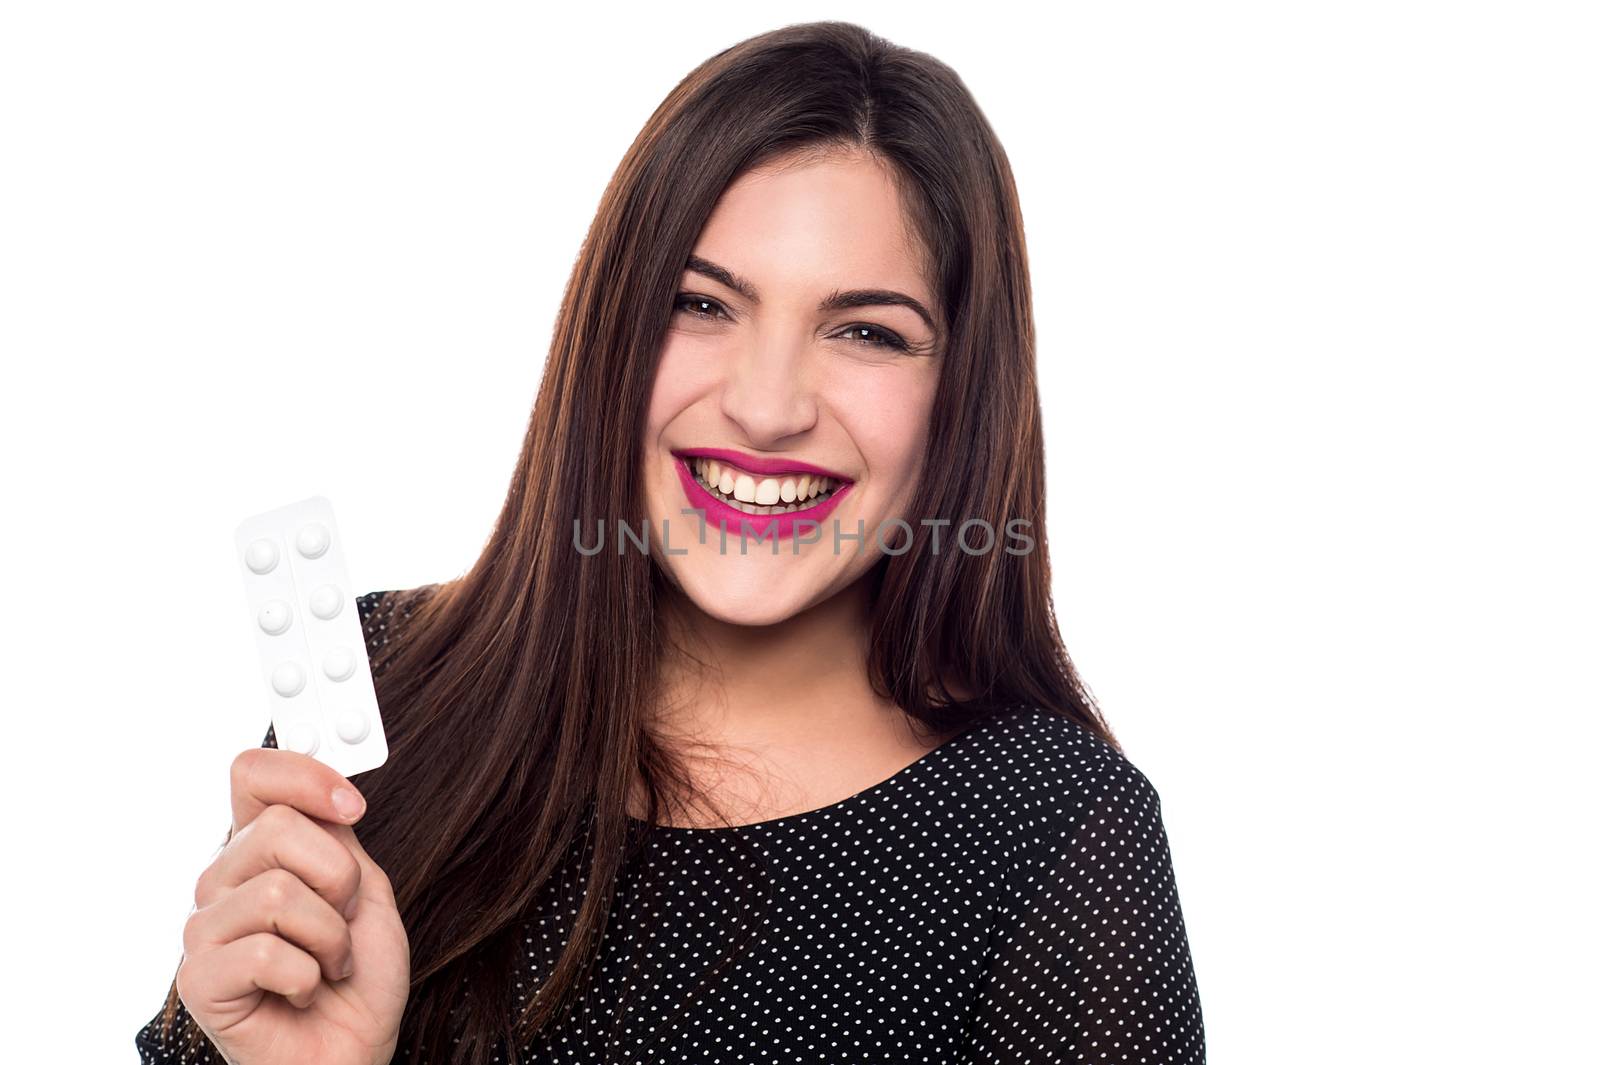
(1316, 297)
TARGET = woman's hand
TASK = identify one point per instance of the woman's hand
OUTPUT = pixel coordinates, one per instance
(295, 952)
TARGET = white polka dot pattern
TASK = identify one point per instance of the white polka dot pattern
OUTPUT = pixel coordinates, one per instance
(1007, 898)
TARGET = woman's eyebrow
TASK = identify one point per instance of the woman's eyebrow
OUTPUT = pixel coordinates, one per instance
(837, 301)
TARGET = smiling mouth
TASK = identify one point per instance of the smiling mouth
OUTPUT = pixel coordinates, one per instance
(759, 494)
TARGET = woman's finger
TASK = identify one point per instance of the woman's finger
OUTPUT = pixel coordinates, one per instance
(264, 776)
(282, 837)
(279, 902)
(241, 969)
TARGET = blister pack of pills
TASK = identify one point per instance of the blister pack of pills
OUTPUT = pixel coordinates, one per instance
(308, 634)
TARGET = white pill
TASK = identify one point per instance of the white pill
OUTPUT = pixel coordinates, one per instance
(312, 540)
(288, 679)
(339, 664)
(302, 737)
(352, 725)
(261, 555)
(327, 601)
(275, 617)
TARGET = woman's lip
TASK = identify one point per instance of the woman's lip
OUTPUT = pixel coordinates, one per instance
(759, 466)
(721, 514)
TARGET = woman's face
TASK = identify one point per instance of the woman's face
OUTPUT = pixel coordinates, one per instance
(784, 358)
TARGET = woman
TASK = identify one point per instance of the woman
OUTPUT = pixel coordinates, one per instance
(799, 771)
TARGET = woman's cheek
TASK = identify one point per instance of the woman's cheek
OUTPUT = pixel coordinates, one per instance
(886, 414)
(684, 372)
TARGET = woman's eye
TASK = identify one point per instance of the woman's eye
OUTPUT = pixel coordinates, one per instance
(889, 340)
(710, 309)
(695, 305)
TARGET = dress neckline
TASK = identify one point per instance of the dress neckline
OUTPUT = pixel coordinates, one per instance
(896, 781)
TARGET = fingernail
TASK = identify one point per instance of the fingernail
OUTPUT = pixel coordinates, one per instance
(350, 907)
(349, 969)
(349, 803)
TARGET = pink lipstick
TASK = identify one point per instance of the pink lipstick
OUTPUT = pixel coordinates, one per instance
(721, 514)
(757, 466)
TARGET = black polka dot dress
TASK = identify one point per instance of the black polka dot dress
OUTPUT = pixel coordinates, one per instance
(1007, 898)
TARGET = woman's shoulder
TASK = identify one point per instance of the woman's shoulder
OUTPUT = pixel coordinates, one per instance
(384, 614)
(1045, 771)
(383, 611)
(377, 611)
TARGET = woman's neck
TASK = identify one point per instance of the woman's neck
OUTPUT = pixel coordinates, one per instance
(779, 718)
(754, 681)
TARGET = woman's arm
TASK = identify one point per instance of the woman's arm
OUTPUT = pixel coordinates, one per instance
(184, 1042)
(1090, 958)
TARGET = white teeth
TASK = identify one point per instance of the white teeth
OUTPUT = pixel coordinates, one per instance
(768, 495)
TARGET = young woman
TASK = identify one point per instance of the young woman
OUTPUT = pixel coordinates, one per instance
(795, 768)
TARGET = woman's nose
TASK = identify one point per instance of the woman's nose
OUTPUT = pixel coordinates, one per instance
(768, 394)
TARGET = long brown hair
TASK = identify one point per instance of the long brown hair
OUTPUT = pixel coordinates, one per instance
(517, 697)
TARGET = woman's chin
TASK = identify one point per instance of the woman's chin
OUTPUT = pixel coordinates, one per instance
(744, 594)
